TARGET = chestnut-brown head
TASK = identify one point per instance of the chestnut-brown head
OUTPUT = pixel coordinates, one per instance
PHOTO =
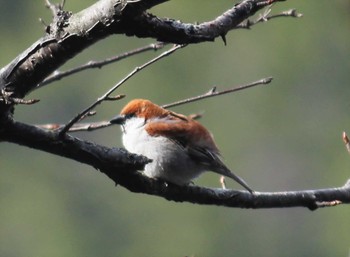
(141, 108)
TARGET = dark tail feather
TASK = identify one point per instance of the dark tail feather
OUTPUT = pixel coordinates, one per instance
(226, 172)
(211, 160)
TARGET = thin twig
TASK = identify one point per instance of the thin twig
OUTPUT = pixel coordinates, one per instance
(6, 97)
(213, 92)
(78, 117)
(328, 203)
(269, 2)
(92, 113)
(346, 141)
(89, 126)
(13, 100)
(57, 75)
(83, 113)
(53, 7)
(102, 124)
(62, 4)
(266, 17)
(76, 127)
(223, 182)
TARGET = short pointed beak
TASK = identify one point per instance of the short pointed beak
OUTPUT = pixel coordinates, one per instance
(119, 119)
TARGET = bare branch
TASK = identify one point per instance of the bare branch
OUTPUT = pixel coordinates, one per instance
(57, 75)
(62, 4)
(346, 141)
(328, 204)
(77, 127)
(170, 30)
(223, 182)
(103, 124)
(69, 34)
(121, 167)
(11, 100)
(7, 99)
(213, 92)
(54, 8)
(89, 126)
(97, 156)
(266, 17)
(105, 97)
(311, 199)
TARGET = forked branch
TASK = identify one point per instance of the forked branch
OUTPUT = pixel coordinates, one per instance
(57, 75)
(76, 127)
(107, 97)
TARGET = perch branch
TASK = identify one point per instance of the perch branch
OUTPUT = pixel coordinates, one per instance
(122, 167)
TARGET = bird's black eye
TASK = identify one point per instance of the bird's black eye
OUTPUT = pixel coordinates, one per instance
(120, 119)
(129, 115)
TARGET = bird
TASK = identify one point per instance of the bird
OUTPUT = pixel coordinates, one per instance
(179, 147)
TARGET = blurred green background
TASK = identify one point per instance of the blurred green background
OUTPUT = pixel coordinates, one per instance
(285, 136)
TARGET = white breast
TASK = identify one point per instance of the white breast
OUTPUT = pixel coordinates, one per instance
(170, 161)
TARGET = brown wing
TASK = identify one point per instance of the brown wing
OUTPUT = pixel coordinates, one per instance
(189, 134)
(196, 140)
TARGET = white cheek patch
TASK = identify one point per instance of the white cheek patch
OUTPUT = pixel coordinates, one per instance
(134, 123)
(142, 124)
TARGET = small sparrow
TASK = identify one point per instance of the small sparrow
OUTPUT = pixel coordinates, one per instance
(180, 147)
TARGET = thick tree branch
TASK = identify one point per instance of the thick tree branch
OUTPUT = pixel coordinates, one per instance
(311, 199)
(69, 34)
(97, 156)
(122, 168)
(170, 30)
